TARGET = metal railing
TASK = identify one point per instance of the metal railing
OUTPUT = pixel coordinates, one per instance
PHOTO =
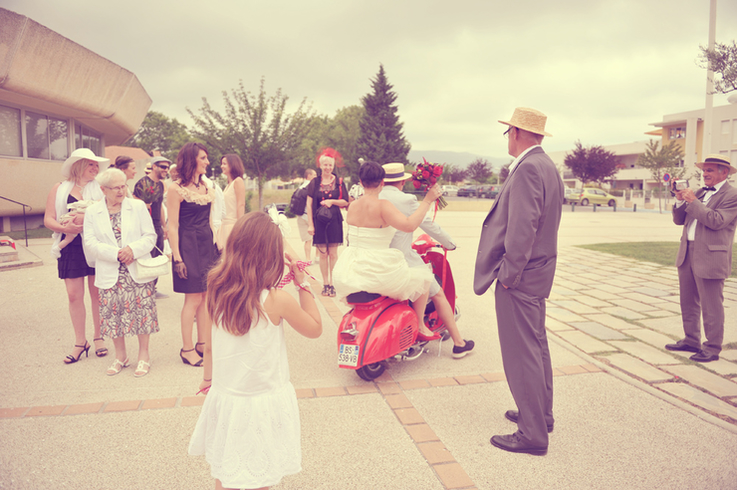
(25, 226)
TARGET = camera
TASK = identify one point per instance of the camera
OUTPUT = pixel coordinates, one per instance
(680, 185)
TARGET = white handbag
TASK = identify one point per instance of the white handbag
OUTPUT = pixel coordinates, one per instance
(150, 268)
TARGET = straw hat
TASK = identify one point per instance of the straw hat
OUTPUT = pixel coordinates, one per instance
(395, 172)
(529, 120)
(80, 154)
(719, 160)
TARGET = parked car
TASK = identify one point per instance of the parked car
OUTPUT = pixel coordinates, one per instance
(593, 196)
(450, 190)
(489, 191)
(468, 191)
(571, 195)
(280, 207)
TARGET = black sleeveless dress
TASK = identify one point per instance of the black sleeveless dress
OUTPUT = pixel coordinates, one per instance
(72, 263)
(195, 246)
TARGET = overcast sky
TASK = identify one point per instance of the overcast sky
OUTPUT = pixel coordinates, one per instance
(601, 70)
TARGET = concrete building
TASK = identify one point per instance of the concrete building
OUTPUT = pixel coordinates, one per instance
(686, 129)
(55, 96)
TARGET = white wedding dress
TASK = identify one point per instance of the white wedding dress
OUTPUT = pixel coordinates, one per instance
(368, 264)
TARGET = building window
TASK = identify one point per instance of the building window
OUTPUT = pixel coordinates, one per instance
(10, 132)
(46, 137)
(677, 133)
(725, 126)
(85, 138)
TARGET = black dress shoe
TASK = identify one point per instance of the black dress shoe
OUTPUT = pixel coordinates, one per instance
(682, 346)
(512, 443)
(703, 356)
(513, 415)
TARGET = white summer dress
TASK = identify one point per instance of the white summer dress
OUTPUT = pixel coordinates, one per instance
(368, 264)
(249, 429)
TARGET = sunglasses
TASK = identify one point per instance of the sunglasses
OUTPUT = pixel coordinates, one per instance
(163, 167)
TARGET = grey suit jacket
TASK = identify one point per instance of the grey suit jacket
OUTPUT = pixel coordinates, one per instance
(714, 232)
(407, 204)
(519, 238)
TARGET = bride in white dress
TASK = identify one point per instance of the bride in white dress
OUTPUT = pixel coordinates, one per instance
(368, 264)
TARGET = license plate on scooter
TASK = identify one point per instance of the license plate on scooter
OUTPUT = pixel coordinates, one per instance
(348, 355)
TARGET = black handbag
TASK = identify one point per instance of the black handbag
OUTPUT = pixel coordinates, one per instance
(324, 215)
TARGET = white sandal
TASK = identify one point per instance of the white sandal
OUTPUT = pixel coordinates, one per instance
(142, 369)
(116, 367)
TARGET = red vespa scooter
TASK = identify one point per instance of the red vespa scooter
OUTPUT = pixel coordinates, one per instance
(379, 329)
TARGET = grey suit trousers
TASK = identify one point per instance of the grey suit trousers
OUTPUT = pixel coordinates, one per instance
(701, 296)
(526, 358)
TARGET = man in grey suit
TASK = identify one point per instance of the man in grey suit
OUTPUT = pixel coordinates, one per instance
(704, 258)
(518, 248)
(394, 180)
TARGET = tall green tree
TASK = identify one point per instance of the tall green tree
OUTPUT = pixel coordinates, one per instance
(258, 128)
(592, 164)
(381, 139)
(159, 132)
(722, 60)
(660, 161)
(453, 173)
(479, 170)
(504, 172)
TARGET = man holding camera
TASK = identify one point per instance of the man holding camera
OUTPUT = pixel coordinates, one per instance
(704, 261)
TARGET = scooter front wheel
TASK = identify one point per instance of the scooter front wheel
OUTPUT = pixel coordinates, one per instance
(370, 372)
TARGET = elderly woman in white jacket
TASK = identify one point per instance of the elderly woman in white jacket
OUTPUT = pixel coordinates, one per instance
(117, 231)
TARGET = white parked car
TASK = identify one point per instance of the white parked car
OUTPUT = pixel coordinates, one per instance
(450, 190)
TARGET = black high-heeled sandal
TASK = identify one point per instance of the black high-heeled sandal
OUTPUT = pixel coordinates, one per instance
(102, 351)
(202, 354)
(85, 350)
(186, 361)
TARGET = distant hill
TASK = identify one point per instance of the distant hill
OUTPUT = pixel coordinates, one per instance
(461, 159)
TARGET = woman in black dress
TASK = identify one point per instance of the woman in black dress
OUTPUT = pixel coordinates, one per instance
(188, 203)
(327, 191)
(79, 172)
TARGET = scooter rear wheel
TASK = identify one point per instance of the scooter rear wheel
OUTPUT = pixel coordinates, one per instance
(370, 372)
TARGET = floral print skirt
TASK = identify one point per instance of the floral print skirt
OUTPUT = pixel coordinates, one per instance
(128, 308)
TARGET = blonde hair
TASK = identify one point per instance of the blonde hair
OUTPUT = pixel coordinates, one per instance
(78, 168)
(253, 260)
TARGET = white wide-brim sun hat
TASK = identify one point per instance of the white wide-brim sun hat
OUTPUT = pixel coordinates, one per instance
(80, 154)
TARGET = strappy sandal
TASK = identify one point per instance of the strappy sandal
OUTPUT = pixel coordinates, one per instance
(332, 291)
(70, 359)
(102, 351)
(201, 353)
(326, 290)
(186, 361)
(117, 366)
(142, 369)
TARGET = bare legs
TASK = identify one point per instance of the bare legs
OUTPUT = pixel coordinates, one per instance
(419, 306)
(77, 311)
(120, 349)
(194, 306)
(308, 250)
(446, 314)
(328, 257)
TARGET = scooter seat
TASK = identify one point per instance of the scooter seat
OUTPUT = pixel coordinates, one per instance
(362, 297)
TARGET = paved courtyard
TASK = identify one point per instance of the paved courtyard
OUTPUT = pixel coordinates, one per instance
(629, 414)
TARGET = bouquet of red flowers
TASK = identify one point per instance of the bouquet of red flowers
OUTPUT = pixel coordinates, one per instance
(427, 174)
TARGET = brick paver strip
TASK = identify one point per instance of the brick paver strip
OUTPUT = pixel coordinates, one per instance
(698, 397)
(84, 408)
(442, 382)
(470, 379)
(421, 433)
(192, 401)
(398, 401)
(10, 413)
(409, 416)
(389, 388)
(584, 342)
(331, 391)
(592, 368)
(640, 369)
(576, 369)
(452, 475)
(124, 406)
(304, 393)
(599, 331)
(558, 372)
(435, 452)
(704, 379)
(645, 352)
(414, 384)
(361, 389)
(45, 410)
(159, 403)
(494, 377)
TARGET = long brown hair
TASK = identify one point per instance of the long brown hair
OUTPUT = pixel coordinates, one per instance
(253, 260)
(187, 162)
(236, 165)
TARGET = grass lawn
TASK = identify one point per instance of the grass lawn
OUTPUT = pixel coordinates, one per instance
(663, 253)
(20, 235)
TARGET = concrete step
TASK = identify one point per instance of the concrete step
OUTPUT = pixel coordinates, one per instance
(18, 258)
